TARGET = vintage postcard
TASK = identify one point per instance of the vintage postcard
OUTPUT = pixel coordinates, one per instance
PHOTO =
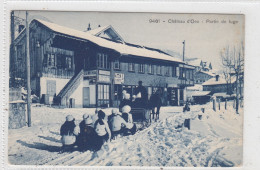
(126, 89)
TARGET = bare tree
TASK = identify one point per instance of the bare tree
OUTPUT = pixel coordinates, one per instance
(233, 63)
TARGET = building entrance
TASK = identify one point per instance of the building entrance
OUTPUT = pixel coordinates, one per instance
(86, 97)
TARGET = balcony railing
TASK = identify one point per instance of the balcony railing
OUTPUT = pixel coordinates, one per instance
(186, 82)
(57, 73)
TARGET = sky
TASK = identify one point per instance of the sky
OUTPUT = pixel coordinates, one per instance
(205, 38)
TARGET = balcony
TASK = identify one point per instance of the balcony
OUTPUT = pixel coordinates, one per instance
(186, 82)
(57, 73)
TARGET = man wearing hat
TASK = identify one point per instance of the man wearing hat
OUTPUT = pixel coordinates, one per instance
(142, 92)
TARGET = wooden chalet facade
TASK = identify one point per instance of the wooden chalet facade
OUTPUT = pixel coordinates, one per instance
(92, 68)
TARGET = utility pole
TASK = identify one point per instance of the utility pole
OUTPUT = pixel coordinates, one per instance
(11, 59)
(28, 72)
(12, 27)
(183, 54)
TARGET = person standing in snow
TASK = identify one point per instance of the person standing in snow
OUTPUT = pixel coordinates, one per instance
(127, 116)
(156, 102)
(87, 136)
(102, 129)
(144, 95)
(68, 132)
(125, 101)
(186, 107)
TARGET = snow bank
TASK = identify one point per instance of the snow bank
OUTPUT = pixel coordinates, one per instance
(215, 140)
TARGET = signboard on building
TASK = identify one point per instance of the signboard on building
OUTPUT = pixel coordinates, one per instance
(119, 78)
(104, 78)
(91, 73)
(173, 85)
(104, 72)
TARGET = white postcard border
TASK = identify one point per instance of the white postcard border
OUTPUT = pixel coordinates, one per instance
(250, 9)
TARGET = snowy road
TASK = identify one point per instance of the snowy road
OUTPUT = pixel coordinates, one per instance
(216, 140)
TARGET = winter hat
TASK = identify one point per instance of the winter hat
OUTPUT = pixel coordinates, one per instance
(126, 109)
(115, 111)
(69, 118)
(138, 95)
(127, 96)
(85, 116)
(88, 121)
(124, 91)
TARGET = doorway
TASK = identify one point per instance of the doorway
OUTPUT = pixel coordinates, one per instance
(86, 97)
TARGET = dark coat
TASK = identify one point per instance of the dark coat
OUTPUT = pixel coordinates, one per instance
(143, 91)
(155, 101)
(67, 128)
(68, 133)
(125, 102)
(87, 137)
(139, 103)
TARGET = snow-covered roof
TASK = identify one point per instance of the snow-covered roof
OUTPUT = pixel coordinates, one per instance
(195, 62)
(208, 72)
(200, 93)
(18, 101)
(196, 87)
(221, 80)
(108, 29)
(98, 30)
(122, 48)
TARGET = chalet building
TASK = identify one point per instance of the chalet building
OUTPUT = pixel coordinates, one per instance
(203, 70)
(202, 76)
(89, 69)
(218, 84)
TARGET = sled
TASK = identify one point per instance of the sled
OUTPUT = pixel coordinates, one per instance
(141, 117)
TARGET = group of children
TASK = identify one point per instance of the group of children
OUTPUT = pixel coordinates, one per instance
(94, 131)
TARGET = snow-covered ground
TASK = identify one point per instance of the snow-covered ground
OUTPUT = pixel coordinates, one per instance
(215, 140)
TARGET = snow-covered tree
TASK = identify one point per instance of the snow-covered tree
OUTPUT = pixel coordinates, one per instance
(233, 64)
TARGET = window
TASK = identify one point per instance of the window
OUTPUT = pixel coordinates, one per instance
(117, 65)
(102, 61)
(59, 61)
(187, 74)
(177, 71)
(141, 68)
(103, 94)
(167, 70)
(174, 71)
(150, 69)
(159, 70)
(182, 72)
(68, 62)
(51, 60)
(131, 67)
